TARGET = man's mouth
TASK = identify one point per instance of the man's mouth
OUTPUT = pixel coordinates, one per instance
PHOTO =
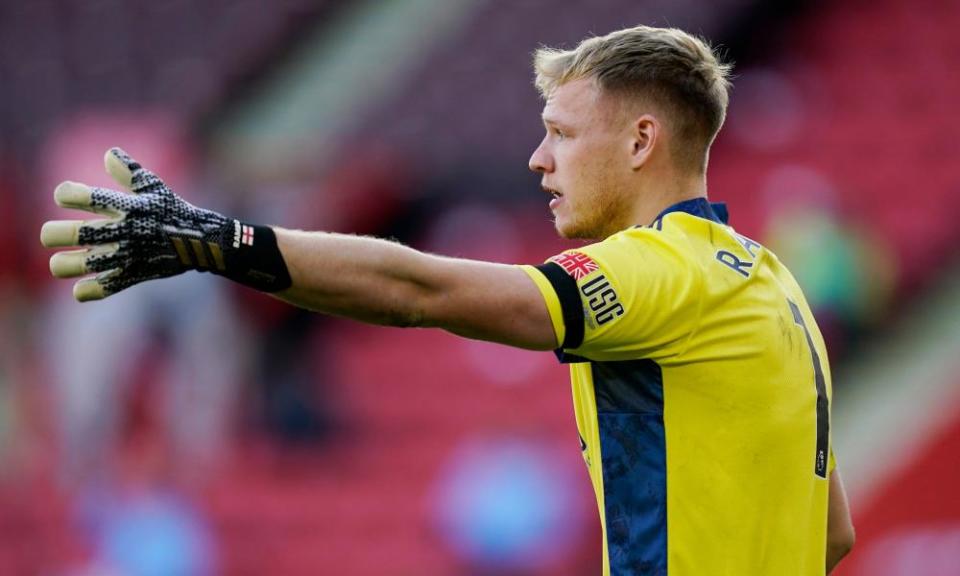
(557, 196)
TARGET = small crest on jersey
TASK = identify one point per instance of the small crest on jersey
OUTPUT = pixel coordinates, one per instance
(576, 264)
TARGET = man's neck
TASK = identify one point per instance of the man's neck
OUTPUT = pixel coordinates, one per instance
(666, 194)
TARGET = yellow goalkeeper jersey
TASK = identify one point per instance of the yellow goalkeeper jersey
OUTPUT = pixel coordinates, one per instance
(702, 396)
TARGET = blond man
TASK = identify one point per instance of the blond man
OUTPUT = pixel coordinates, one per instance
(700, 380)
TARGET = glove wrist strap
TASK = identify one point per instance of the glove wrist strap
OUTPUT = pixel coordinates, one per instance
(252, 257)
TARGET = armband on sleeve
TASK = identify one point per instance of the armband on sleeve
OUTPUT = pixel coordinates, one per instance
(569, 295)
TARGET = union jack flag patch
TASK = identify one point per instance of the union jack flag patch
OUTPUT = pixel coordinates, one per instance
(576, 264)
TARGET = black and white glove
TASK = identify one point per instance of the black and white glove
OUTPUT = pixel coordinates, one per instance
(153, 233)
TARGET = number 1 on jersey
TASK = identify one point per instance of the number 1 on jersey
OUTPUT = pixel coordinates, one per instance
(823, 408)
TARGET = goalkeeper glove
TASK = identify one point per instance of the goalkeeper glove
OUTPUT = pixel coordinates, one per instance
(153, 233)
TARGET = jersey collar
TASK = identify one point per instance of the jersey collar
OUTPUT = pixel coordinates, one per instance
(699, 207)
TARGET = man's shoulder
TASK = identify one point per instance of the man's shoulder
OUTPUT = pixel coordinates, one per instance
(635, 236)
(631, 256)
(670, 241)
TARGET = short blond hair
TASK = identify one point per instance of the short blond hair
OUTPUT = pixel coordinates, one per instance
(666, 67)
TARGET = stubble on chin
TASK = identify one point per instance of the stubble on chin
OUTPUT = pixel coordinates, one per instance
(593, 216)
(587, 223)
(574, 230)
(568, 227)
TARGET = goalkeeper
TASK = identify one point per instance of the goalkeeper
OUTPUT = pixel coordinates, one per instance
(701, 384)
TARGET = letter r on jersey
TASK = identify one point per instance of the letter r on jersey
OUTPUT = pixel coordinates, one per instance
(735, 263)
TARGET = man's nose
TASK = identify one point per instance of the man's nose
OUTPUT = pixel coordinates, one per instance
(541, 161)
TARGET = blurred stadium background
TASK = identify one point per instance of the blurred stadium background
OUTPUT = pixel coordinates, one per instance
(193, 427)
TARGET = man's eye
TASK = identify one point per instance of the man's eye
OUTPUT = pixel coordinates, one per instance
(559, 134)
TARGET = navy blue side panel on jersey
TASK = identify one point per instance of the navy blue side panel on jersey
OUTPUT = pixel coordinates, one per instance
(633, 451)
(565, 358)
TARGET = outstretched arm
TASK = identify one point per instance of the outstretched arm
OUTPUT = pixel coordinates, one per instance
(150, 232)
(383, 282)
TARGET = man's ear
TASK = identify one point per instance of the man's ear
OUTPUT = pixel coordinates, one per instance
(645, 134)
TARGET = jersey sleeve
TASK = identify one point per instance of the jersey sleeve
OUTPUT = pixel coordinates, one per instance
(631, 296)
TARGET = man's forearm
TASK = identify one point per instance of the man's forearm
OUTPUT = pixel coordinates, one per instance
(364, 278)
(384, 282)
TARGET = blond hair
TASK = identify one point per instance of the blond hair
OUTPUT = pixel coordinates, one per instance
(665, 67)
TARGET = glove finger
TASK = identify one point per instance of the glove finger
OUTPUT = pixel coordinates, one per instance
(61, 233)
(57, 233)
(118, 163)
(81, 262)
(73, 195)
(90, 289)
(112, 202)
(97, 200)
(130, 173)
(105, 284)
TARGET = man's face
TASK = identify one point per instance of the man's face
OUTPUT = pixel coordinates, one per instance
(584, 161)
